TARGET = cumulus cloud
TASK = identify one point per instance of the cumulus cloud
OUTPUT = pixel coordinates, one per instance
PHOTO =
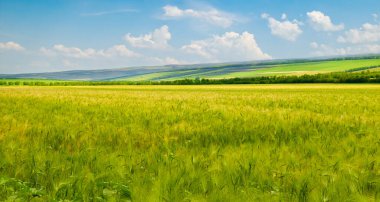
(230, 46)
(314, 44)
(372, 48)
(173, 61)
(166, 61)
(284, 29)
(368, 33)
(11, 46)
(211, 16)
(284, 16)
(74, 52)
(375, 16)
(326, 50)
(321, 22)
(108, 12)
(158, 39)
(119, 50)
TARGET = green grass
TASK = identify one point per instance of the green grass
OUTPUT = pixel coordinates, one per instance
(308, 68)
(169, 75)
(190, 143)
(228, 71)
(276, 70)
(144, 77)
(377, 69)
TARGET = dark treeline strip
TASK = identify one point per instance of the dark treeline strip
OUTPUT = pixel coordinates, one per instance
(362, 68)
(336, 77)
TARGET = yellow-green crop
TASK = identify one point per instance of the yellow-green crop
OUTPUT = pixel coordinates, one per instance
(190, 143)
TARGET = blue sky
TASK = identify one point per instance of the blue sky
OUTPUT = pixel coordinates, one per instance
(58, 35)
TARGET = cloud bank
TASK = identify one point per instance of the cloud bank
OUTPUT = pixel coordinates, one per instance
(321, 22)
(11, 46)
(284, 29)
(367, 33)
(211, 16)
(158, 39)
(230, 46)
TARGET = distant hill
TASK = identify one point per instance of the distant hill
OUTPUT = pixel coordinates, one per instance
(213, 71)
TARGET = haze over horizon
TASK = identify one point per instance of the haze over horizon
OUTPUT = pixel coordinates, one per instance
(47, 36)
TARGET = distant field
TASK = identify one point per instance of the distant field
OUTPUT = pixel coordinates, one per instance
(144, 77)
(253, 71)
(308, 68)
(374, 69)
(190, 143)
(208, 71)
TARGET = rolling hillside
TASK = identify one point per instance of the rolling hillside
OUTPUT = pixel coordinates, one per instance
(211, 71)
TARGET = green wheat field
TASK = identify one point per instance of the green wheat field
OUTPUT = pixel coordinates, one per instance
(298, 142)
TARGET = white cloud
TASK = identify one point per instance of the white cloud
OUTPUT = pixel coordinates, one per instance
(11, 46)
(47, 51)
(69, 64)
(158, 39)
(321, 22)
(375, 16)
(314, 45)
(100, 13)
(230, 46)
(326, 50)
(199, 48)
(284, 29)
(368, 33)
(120, 50)
(284, 16)
(211, 16)
(74, 52)
(372, 48)
(173, 61)
(166, 61)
